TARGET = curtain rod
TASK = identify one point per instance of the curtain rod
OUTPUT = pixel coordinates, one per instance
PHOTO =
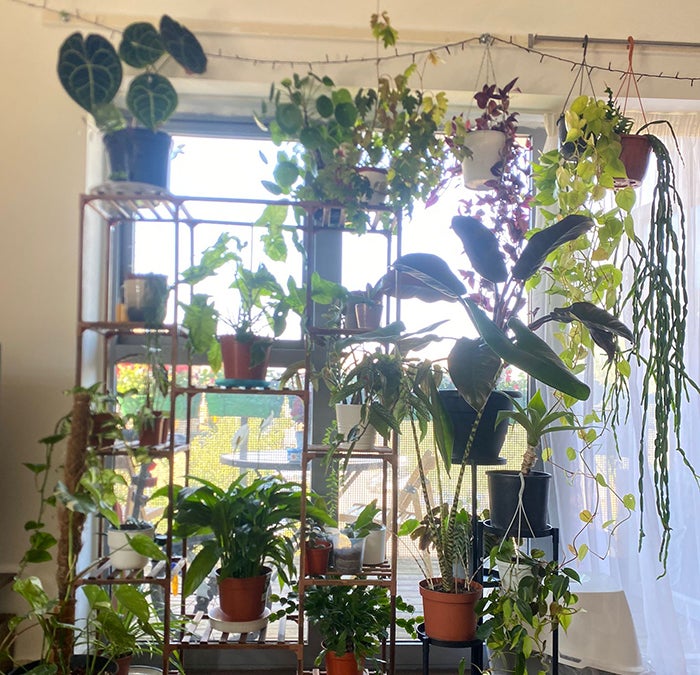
(533, 39)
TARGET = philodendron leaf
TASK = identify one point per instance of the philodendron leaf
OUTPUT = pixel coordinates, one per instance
(424, 276)
(151, 99)
(482, 248)
(141, 45)
(592, 317)
(182, 45)
(89, 70)
(473, 367)
(544, 242)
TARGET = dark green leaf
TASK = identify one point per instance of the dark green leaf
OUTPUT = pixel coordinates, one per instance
(289, 117)
(183, 46)
(473, 367)
(544, 242)
(151, 99)
(424, 276)
(141, 45)
(346, 114)
(482, 249)
(593, 317)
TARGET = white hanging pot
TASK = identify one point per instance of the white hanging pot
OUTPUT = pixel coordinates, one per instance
(348, 416)
(511, 574)
(487, 152)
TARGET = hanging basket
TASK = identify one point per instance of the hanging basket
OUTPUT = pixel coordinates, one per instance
(504, 503)
(636, 151)
(487, 156)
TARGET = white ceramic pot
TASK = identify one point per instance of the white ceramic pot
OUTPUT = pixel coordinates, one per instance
(487, 151)
(121, 555)
(375, 547)
(511, 574)
(348, 416)
(378, 181)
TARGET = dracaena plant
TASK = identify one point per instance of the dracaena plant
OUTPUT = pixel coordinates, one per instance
(90, 70)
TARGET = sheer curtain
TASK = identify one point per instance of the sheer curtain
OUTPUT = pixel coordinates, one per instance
(666, 611)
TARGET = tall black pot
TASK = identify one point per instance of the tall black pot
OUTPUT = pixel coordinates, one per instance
(139, 155)
(504, 488)
(489, 438)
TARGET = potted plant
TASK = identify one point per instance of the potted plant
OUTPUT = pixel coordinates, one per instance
(518, 618)
(339, 137)
(130, 544)
(247, 528)
(582, 182)
(145, 297)
(90, 70)
(86, 487)
(368, 306)
(349, 543)
(318, 545)
(483, 145)
(352, 622)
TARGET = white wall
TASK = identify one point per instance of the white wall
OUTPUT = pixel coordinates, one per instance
(43, 149)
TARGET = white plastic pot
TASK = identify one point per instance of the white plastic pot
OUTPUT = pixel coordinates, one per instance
(348, 416)
(375, 547)
(511, 574)
(487, 152)
(121, 555)
(378, 181)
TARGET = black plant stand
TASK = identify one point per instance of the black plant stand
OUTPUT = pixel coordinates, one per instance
(476, 648)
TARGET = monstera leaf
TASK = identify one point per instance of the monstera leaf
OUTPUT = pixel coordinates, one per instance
(182, 45)
(482, 248)
(141, 45)
(89, 70)
(151, 99)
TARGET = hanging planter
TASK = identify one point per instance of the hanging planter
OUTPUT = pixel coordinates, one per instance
(487, 148)
(635, 155)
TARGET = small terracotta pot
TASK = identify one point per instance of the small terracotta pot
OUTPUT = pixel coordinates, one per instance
(244, 599)
(237, 357)
(636, 150)
(449, 616)
(317, 558)
(342, 665)
(156, 433)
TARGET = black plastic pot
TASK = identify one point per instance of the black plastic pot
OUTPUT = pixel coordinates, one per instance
(568, 149)
(139, 155)
(504, 487)
(489, 438)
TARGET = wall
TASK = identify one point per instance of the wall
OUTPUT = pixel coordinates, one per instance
(44, 148)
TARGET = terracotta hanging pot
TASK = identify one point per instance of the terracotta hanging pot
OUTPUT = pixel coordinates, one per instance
(449, 616)
(317, 558)
(245, 360)
(342, 665)
(636, 150)
(244, 599)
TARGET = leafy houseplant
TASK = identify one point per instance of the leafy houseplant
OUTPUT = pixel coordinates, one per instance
(245, 526)
(337, 135)
(484, 146)
(86, 488)
(90, 70)
(352, 620)
(518, 619)
(577, 180)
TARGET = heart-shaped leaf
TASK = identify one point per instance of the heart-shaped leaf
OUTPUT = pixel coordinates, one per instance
(89, 70)
(151, 99)
(141, 45)
(182, 45)
(482, 248)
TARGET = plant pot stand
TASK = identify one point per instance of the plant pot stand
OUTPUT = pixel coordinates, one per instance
(219, 621)
(475, 647)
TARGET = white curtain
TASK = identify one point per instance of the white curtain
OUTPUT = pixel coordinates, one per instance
(666, 611)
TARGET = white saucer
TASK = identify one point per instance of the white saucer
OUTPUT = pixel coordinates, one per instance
(219, 621)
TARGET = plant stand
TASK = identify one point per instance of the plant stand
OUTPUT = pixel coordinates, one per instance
(475, 646)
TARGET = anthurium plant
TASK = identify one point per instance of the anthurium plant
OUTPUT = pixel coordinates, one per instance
(90, 70)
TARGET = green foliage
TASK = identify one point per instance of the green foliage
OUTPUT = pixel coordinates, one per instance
(250, 524)
(353, 619)
(90, 71)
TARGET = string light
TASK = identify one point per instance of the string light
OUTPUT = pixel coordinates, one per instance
(66, 17)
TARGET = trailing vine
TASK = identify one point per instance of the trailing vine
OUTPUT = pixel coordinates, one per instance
(659, 298)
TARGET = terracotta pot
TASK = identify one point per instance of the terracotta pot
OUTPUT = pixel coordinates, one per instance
(487, 155)
(155, 431)
(123, 664)
(342, 665)
(368, 316)
(239, 358)
(504, 488)
(244, 599)
(449, 616)
(636, 150)
(317, 558)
